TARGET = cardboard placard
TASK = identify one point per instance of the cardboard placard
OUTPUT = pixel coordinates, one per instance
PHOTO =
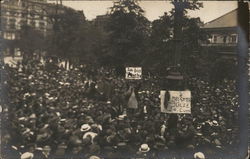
(179, 102)
(133, 73)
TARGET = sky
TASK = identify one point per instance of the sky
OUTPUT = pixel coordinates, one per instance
(153, 9)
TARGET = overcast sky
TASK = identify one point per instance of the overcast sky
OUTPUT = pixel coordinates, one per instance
(154, 9)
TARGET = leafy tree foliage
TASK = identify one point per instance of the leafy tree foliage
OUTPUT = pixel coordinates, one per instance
(223, 69)
(186, 5)
(159, 50)
(192, 36)
(128, 31)
(172, 27)
(64, 38)
(31, 41)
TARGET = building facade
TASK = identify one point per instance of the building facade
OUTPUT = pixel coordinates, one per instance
(222, 33)
(17, 13)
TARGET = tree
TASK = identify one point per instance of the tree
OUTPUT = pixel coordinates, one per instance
(31, 41)
(175, 37)
(178, 14)
(159, 50)
(223, 69)
(87, 46)
(192, 36)
(128, 31)
(64, 35)
(127, 6)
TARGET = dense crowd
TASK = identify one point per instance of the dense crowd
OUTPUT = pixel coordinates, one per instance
(50, 112)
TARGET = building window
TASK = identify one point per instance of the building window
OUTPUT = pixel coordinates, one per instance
(5, 35)
(4, 21)
(9, 36)
(41, 25)
(12, 13)
(3, 27)
(33, 23)
(224, 39)
(12, 20)
(233, 39)
(13, 36)
(12, 24)
(23, 22)
(41, 17)
(215, 39)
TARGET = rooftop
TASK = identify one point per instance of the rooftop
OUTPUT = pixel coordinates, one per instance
(225, 21)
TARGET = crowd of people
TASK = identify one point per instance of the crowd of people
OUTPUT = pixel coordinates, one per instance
(51, 112)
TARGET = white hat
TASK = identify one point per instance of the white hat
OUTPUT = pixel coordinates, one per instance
(199, 134)
(217, 142)
(94, 157)
(63, 120)
(32, 116)
(199, 155)
(27, 155)
(39, 148)
(47, 147)
(121, 117)
(199, 127)
(229, 129)
(144, 148)
(217, 90)
(85, 127)
(215, 123)
(58, 113)
(108, 102)
(91, 134)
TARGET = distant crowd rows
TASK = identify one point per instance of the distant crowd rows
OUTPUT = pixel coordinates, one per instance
(83, 113)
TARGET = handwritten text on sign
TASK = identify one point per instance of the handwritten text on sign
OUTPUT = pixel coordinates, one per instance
(179, 102)
(133, 73)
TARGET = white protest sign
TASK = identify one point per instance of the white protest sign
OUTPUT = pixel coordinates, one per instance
(133, 73)
(179, 102)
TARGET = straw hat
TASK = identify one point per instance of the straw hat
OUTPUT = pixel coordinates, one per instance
(94, 157)
(108, 102)
(47, 148)
(144, 148)
(199, 134)
(85, 127)
(199, 155)
(217, 142)
(32, 116)
(92, 135)
(215, 123)
(121, 117)
(27, 155)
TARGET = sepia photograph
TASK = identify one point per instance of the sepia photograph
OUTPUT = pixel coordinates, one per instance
(124, 79)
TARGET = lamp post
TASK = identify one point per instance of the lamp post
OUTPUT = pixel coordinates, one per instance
(174, 79)
(178, 19)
